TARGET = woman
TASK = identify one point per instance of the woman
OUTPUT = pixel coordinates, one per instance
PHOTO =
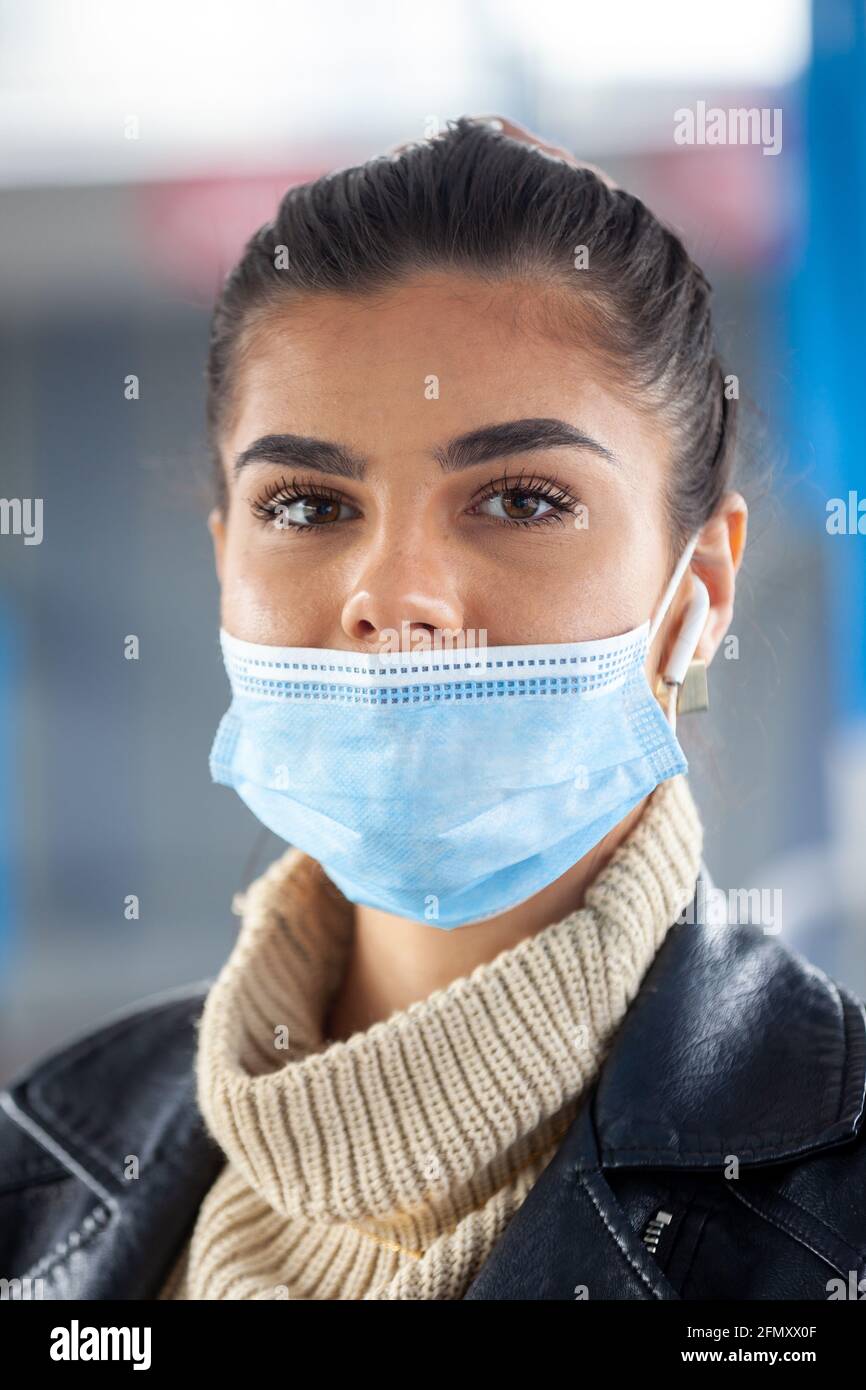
(477, 543)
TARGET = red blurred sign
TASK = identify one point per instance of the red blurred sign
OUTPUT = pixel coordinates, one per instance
(195, 230)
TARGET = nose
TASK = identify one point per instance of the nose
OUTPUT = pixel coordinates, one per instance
(402, 591)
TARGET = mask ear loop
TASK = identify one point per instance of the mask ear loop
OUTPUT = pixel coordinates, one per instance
(690, 631)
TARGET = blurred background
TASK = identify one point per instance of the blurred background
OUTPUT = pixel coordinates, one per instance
(139, 147)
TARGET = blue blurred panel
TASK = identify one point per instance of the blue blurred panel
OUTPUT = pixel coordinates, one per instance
(828, 385)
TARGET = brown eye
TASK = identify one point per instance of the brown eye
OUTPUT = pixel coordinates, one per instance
(517, 506)
(317, 510)
(306, 512)
(520, 505)
(298, 506)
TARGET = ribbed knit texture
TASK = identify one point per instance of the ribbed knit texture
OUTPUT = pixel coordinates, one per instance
(387, 1165)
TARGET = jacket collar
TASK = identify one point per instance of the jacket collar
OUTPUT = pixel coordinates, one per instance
(735, 1045)
(125, 1092)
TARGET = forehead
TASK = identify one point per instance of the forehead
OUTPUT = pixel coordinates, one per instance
(426, 358)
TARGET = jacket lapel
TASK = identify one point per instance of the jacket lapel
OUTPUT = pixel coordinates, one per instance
(736, 1047)
(140, 1153)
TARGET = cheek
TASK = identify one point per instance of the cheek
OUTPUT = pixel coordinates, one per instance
(582, 606)
(584, 586)
(271, 598)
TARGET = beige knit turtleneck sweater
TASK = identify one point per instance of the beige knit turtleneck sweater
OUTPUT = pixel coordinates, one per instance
(387, 1165)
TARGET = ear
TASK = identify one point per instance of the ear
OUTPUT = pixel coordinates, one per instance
(217, 527)
(716, 560)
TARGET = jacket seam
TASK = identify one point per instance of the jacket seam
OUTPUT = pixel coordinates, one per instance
(688, 1280)
(855, 1048)
(93, 1224)
(624, 1254)
(819, 1221)
(720, 1152)
(797, 1231)
(29, 1125)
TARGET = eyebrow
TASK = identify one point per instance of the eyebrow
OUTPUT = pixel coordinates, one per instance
(478, 446)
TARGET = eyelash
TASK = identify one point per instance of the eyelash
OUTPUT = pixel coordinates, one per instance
(283, 493)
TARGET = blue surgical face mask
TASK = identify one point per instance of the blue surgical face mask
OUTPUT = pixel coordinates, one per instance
(445, 786)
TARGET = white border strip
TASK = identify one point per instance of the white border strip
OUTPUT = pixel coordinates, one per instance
(390, 669)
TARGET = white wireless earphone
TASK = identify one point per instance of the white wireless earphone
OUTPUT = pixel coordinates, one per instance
(689, 635)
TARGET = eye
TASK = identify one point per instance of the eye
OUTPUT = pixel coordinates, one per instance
(516, 506)
(306, 511)
(525, 502)
(300, 506)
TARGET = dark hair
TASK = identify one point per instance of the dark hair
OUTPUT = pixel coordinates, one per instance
(475, 200)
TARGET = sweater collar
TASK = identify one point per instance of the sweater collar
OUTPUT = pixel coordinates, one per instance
(458, 1091)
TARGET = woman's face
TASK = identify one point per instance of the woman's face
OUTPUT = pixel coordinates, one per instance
(447, 467)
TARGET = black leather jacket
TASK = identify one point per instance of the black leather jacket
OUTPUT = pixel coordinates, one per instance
(736, 1051)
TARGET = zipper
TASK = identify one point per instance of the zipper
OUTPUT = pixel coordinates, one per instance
(654, 1230)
